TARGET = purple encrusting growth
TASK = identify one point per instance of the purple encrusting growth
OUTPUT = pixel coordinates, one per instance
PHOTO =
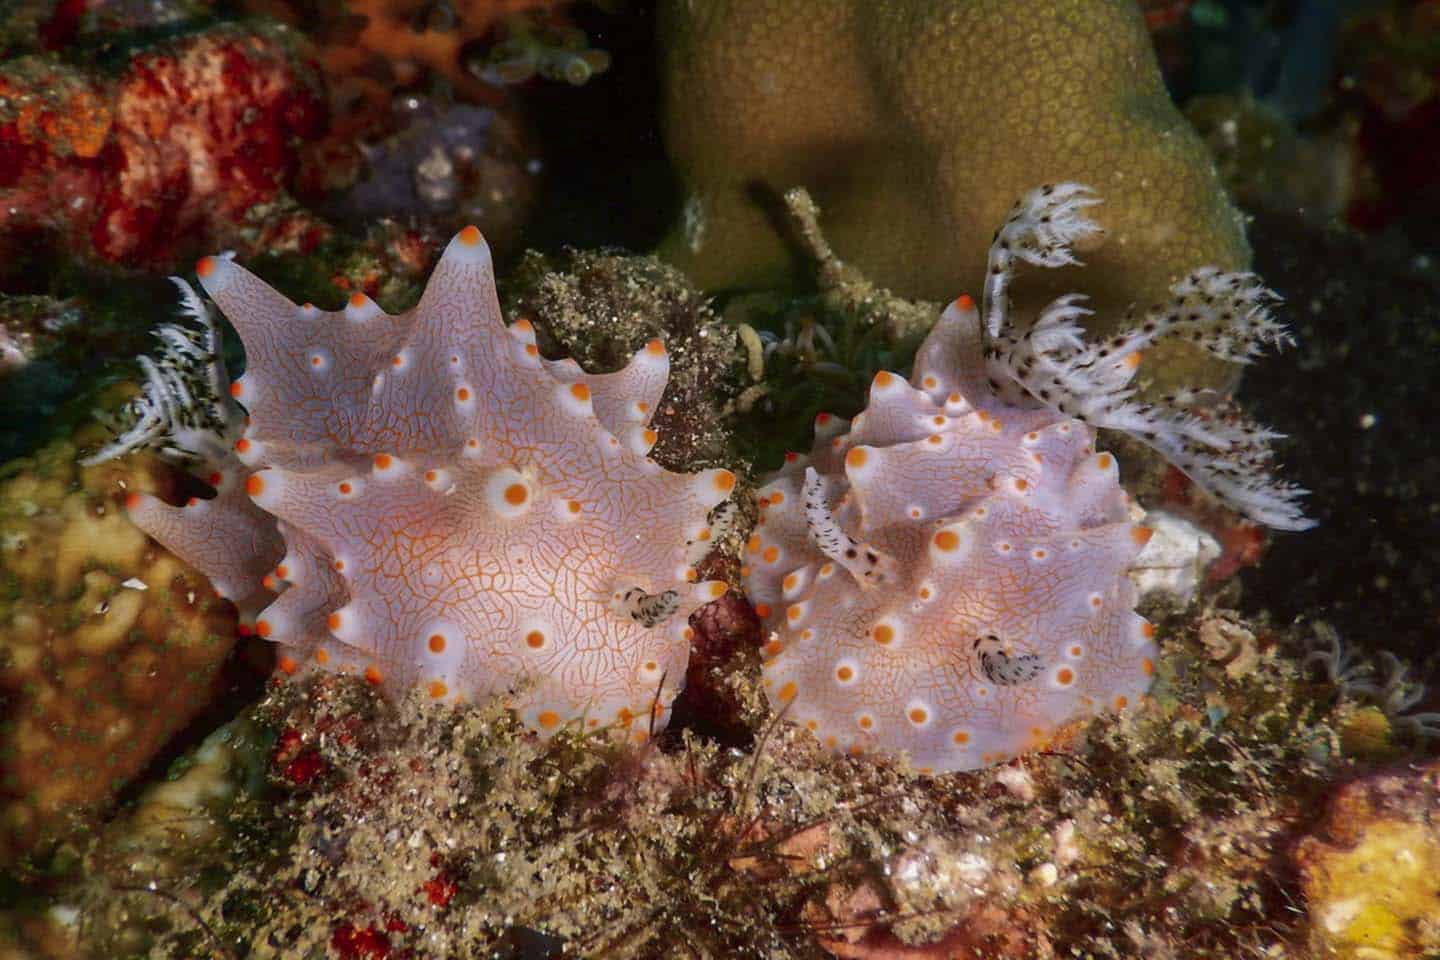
(947, 574)
(420, 171)
(437, 505)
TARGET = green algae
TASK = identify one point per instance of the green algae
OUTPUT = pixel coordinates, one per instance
(816, 352)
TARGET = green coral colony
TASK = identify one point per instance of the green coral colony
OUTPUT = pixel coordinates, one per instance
(425, 501)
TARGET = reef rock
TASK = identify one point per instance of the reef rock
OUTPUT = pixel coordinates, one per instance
(108, 646)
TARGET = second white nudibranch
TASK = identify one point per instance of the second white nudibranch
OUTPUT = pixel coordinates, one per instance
(948, 575)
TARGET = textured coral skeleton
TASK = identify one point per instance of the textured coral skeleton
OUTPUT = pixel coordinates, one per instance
(434, 503)
(947, 574)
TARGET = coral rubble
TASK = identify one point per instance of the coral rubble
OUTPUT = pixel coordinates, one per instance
(452, 831)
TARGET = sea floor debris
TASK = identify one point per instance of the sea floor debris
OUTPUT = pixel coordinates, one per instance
(429, 830)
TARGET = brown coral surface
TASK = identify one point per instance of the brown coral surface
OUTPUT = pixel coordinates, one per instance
(916, 124)
(108, 645)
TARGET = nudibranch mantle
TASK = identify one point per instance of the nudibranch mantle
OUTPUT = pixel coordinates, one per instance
(946, 576)
(436, 504)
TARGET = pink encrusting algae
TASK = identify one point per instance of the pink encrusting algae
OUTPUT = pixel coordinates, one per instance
(434, 503)
(947, 574)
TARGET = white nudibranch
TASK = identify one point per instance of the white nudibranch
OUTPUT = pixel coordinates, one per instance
(422, 500)
(947, 574)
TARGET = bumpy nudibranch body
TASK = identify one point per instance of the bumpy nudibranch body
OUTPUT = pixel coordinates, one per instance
(946, 574)
(436, 504)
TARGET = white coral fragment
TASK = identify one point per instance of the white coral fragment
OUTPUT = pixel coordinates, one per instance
(1173, 562)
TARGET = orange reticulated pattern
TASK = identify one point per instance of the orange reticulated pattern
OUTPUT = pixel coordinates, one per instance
(950, 580)
(457, 512)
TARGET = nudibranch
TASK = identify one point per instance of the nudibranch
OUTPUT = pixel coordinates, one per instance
(946, 575)
(423, 499)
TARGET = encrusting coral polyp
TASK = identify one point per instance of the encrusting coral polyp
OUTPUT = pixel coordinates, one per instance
(437, 505)
(947, 574)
